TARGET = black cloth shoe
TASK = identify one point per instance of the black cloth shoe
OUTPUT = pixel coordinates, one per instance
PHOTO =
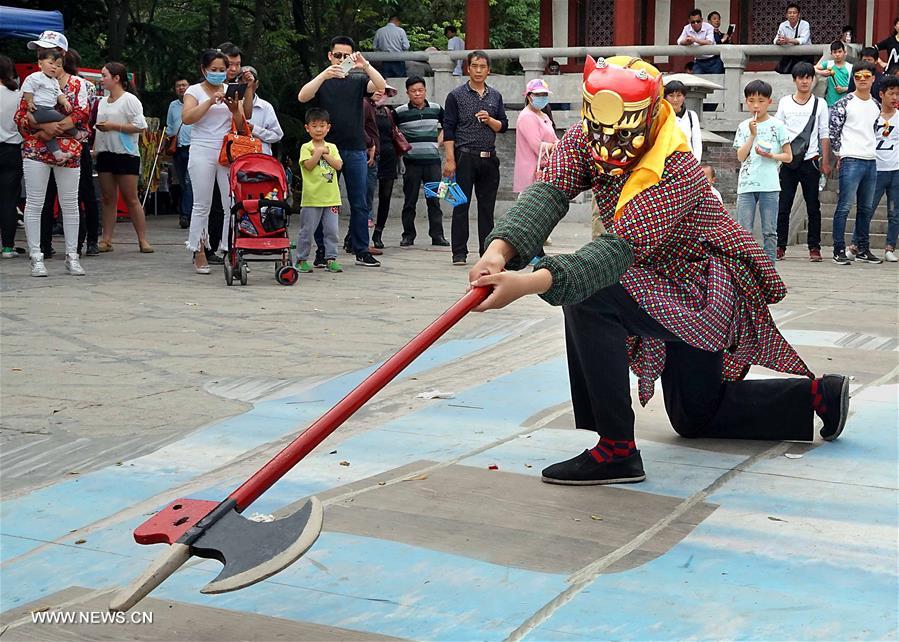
(442, 242)
(376, 240)
(407, 241)
(834, 407)
(214, 259)
(866, 257)
(459, 259)
(584, 470)
(367, 260)
(840, 258)
(320, 261)
(92, 249)
(184, 222)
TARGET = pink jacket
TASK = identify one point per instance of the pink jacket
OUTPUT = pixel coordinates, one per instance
(532, 129)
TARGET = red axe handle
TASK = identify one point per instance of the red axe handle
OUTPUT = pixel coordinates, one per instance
(281, 463)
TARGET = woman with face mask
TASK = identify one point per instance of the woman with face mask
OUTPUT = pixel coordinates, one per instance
(209, 112)
(535, 128)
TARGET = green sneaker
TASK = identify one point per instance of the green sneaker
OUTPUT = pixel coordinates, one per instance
(334, 266)
(303, 267)
(8, 252)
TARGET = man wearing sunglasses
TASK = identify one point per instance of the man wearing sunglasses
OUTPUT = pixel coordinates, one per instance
(853, 140)
(339, 89)
(696, 33)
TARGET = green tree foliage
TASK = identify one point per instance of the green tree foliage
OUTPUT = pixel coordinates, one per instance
(286, 40)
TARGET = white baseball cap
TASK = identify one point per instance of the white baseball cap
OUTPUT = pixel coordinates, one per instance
(50, 40)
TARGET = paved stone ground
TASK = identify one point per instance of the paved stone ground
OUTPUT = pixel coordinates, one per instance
(144, 382)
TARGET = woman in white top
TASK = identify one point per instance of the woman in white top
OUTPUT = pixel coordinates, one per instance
(209, 113)
(10, 155)
(120, 119)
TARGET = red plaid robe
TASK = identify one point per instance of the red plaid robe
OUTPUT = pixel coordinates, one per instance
(695, 270)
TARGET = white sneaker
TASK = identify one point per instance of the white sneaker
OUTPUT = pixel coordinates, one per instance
(37, 265)
(890, 256)
(73, 265)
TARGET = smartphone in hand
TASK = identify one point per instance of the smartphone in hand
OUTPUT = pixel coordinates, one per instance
(731, 29)
(236, 90)
(347, 65)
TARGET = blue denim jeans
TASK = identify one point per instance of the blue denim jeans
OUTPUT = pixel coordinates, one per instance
(858, 178)
(767, 203)
(179, 162)
(888, 183)
(370, 188)
(355, 177)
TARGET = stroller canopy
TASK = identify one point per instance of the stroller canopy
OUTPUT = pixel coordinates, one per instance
(28, 23)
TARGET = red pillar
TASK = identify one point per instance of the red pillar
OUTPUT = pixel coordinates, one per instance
(626, 23)
(477, 24)
(546, 23)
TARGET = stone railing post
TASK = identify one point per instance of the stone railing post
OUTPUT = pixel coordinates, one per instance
(443, 83)
(734, 66)
(533, 65)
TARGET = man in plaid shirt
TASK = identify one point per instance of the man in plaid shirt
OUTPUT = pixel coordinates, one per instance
(674, 288)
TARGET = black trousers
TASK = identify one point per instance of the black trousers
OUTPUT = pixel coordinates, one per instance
(481, 175)
(216, 220)
(385, 191)
(807, 174)
(10, 189)
(698, 403)
(88, 211)
(416, 174)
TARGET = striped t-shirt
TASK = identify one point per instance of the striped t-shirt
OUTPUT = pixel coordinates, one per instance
(420, 127)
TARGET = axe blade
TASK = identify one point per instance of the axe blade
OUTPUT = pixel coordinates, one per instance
(253, 551)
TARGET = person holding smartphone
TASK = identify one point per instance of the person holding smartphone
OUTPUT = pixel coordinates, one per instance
(714, 19)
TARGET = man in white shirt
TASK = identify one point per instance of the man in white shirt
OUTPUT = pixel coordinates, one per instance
(392, 38)
(805, 117)
(887, 134)
(695, 34)
(263, 120)
(454, 43)
(852, 121)
(792, 31)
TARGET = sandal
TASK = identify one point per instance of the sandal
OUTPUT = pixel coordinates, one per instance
(146, 248)
(201, 269)
(104, 246)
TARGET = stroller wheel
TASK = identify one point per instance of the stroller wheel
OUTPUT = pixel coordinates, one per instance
(287, 275)
(243, 273)
(229, 272)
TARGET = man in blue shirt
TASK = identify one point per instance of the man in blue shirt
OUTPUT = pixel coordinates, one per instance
(179, 135)
(391, 38)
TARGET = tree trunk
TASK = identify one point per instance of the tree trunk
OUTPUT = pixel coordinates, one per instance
(118, 28)
(298, 9)
(222, 27)
(258, 23)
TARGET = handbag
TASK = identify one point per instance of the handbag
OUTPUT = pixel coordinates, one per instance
(400, 144)
(236, 145)
(543, 155)
(799, 145)
(172, 145)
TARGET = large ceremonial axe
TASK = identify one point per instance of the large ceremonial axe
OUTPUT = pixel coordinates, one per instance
(252, 551)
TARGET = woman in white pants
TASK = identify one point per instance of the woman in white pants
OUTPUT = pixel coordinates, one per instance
(38, 162)
(209, 113)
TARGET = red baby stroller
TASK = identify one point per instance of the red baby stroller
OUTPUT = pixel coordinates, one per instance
(259, 218)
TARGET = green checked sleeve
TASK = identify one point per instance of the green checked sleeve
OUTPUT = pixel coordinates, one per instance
(527, 223)
(595, 266)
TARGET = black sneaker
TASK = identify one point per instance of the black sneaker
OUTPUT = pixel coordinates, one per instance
(367, 260)
(320, 261)
(584, 470)
(442, 242)
(840, 258)
(183, 222)
(865, 256)
(459, 259)
(376, 240)
(214, 259)
(834, 391)
(407, 241)
(92, 250)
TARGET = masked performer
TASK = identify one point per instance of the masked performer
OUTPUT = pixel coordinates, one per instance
(674, 288)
